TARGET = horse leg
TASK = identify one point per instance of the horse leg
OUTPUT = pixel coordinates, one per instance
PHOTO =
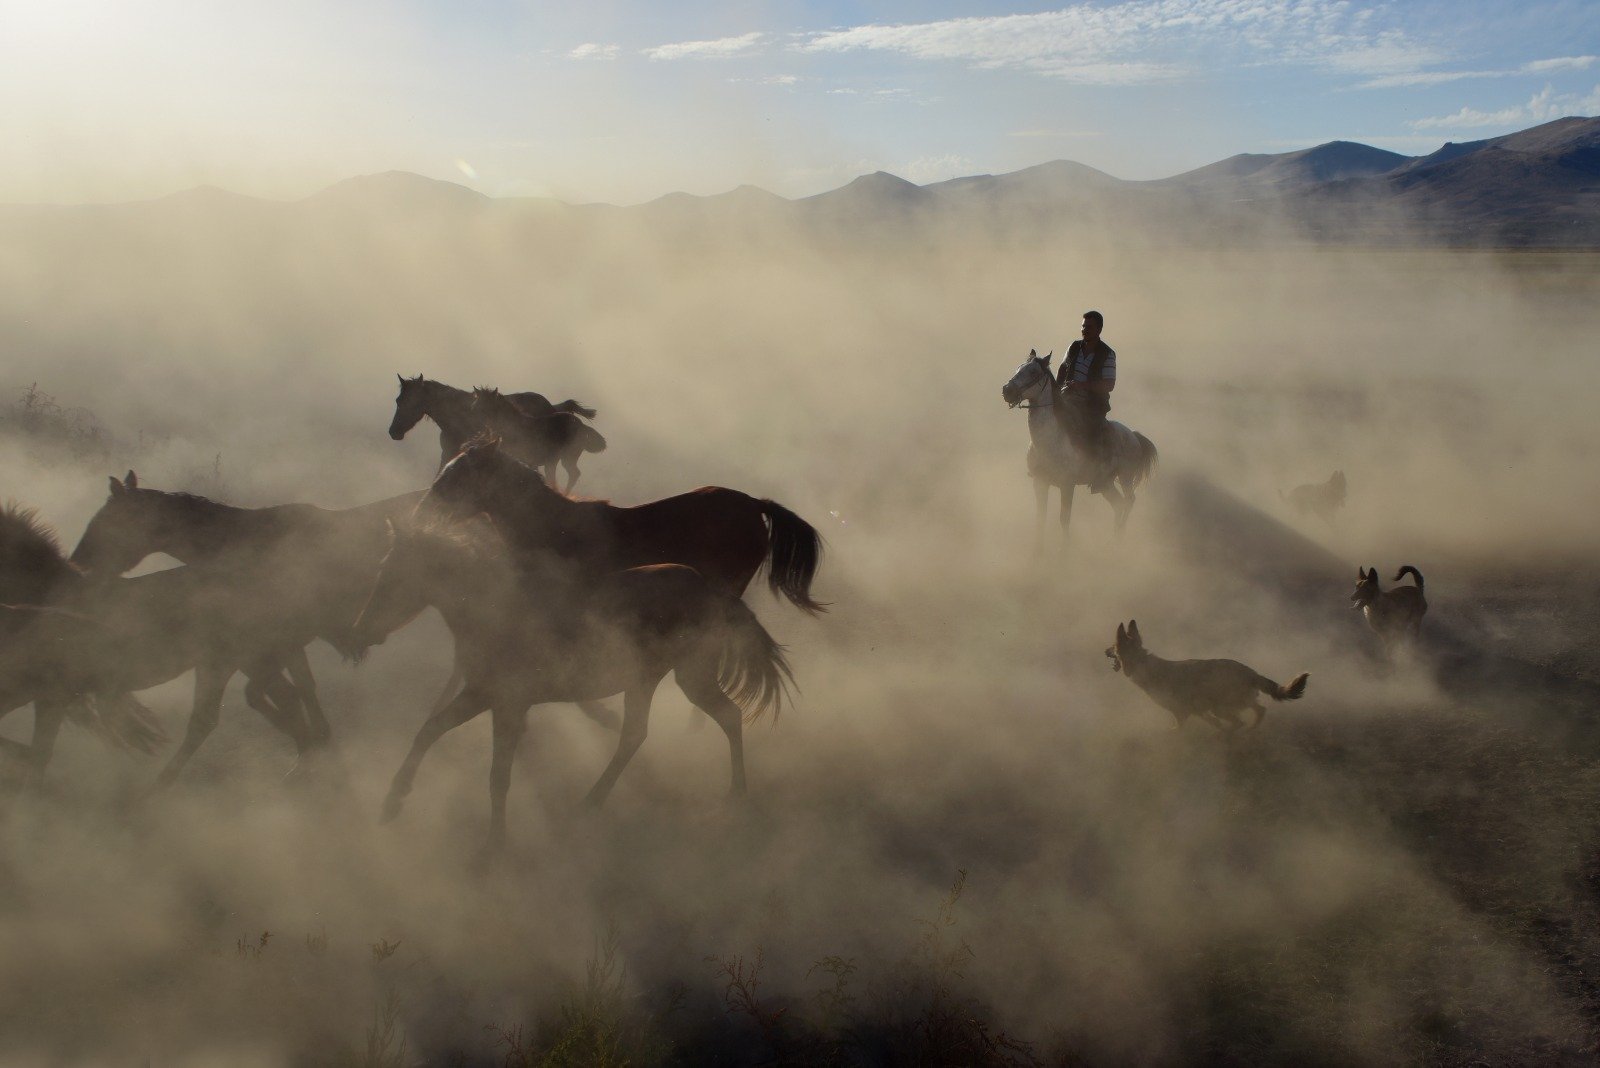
(464, 706)
(1066, 507)
(570, 462)
(598, 712)
(1120, 505)
(509, 724)
(635, 725)
(210, 680)
(549, 472)
(700, 686)
(319, 732)
(47, 717)
(1041, 499)
(269, 692)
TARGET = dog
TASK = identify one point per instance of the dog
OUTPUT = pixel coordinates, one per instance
(1215, 690)
(1391, 613)
(1321, 499)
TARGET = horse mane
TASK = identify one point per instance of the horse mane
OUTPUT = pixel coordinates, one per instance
(473, 544)
(24, 535)
(535, 482)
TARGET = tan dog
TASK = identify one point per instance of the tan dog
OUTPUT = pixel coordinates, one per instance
(1214, 690)
(1321, 499)
(1391, 613)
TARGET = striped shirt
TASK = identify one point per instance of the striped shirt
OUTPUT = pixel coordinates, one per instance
(1075, 367)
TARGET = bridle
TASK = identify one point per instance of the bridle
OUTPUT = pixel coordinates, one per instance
(1025, 405)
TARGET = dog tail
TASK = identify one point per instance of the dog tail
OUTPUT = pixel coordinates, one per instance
(1414, 571)
(1295, 689)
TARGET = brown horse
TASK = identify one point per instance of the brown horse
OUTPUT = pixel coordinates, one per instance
(117, 718)
(451, 409)
(116, 636)
(333, 553)
(521, 643)
(723, 534)
(537, 440)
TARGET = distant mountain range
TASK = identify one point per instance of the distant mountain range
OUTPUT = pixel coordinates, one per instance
(1536, 188)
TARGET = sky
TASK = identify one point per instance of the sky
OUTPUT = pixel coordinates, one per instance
(623, 101)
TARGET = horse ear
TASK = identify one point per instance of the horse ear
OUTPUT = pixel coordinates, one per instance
(1122, 632)
(132, 480)
(1047, 356)
(116, 486)
(1133, 632)
(1032, 353)
(401, 377)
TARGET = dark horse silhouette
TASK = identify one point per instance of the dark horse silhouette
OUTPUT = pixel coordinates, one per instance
(725, 535)
(521, 642)
(451, 409)
(537, 440)
(333, 552)
(115, 636)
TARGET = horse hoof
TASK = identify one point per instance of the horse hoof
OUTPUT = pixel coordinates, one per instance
(391, 809)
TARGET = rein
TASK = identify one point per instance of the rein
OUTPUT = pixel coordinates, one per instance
(1023, 405)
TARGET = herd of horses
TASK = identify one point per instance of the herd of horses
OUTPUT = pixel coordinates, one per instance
(548, 598)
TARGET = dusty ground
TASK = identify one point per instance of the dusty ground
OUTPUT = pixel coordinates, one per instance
(1402, 867)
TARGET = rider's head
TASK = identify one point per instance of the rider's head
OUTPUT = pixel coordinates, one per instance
(1093, 323)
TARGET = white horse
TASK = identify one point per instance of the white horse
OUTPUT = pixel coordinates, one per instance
(1053, 459)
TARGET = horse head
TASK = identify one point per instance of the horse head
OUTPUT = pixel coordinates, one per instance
(461, 485)
(399, 594)
(489, 403)
(409, 407)
(1029, 379)
(131, 525)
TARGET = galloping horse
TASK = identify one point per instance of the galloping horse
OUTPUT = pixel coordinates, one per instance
(115, 636)
(1054, 459)
(330, 555)
(725, 535)
(537, 440)
(522, 643)
(451, 409)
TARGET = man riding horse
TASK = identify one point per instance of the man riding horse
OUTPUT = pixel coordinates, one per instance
(1084, 382)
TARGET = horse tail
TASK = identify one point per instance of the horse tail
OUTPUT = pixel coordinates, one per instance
(1414, 571)
(120, 720)
(589, 439)
(751, 669)
(1144, 465)
(575, 408)
(1292, 691)
(794, 552)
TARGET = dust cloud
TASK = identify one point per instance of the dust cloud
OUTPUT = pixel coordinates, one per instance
(969, 839)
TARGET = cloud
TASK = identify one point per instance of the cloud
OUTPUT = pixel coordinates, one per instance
(1389, 53)
(1437, 77)
(595, 51)
(1406, 79)
(1545, 66)
(1146, 41)
(1541, 107)
(721, 48)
